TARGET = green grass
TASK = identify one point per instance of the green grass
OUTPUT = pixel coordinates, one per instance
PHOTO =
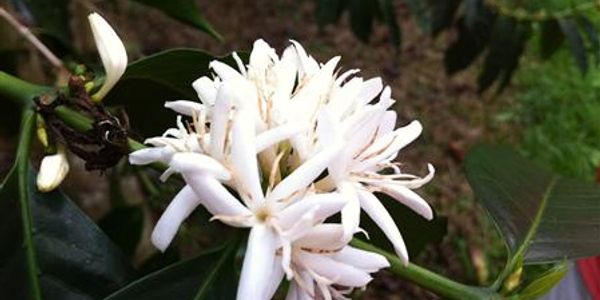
(558, 109)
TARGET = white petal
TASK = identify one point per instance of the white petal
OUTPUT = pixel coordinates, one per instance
(308, 65)
(225, 72)
(53, 170)
(340, 273)
(259, 264)
(185, 107)
(377, 212)
(206, 89)
(399, 139)
(216, 198)
(262, 55)
(323, 236)
(112, 53)
(370, 89)
(328, 205)
(243, 156)
(388, 123)
(351, 211)
(276, 135)
(364, 260)
(191, 162)
(409, 198)
(220, 121)
(178, 210)
(152, 154)
(275, 280)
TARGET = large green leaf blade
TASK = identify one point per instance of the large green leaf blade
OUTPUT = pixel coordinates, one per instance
(75, 260)
(540, 215)
(185, 11)
(206, 276)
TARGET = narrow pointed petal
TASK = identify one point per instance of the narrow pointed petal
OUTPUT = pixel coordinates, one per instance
(275, 279)
(206, 90)
(190, 162)
(409, 198)
(178, 210)
(259, 264)
(225, 72)
(377, 212)
(276, 135)
(149, 155)
(220, 121)
(388, 123)
(335, 271)
(185, 107)
(328, 205)
(215, 197)
(386, 146)
(370, 89)
(243, 156)
(323, 236)
(364, 260)
(351, 211)
(112, 53)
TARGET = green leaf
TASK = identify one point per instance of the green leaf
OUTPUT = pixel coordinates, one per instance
(543, 218)
(208, 276)
(150, 81)
(551, 38)
(416, 231)
(124, 227)
(442, 14)
(185, 11)
(592, 36)
(49, 247)
(466, 48)
(544, 283)
(361, 18)
(576, 43)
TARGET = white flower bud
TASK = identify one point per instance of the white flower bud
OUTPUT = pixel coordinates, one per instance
(53, 170)
(112, 53)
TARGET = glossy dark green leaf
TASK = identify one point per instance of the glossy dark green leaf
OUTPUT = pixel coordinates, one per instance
(505, 48)
(551, 38)
(150, 81)
(123, 226)
(466, 48)
(184, 11)
(389, 17)
(416, 231)
(442, 14)
(75, 260)
(591, 33)
(361, 18)
(544, 283)
(208, 276)
(576, 43)
(542, 217)
(329, 11)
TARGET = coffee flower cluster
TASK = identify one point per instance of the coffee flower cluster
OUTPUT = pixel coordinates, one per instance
(278, 146)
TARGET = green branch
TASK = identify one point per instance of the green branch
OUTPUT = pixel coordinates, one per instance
(434, 282)
(19, 91)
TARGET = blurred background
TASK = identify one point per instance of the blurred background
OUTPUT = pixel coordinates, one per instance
(522, 73)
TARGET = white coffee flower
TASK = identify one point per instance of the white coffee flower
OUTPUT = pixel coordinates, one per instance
(53, 170)
(112, 53)
(296, 143)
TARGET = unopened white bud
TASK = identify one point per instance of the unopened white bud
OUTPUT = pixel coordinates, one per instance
(53, 170)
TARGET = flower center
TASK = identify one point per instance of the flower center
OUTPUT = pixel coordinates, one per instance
(263, 214)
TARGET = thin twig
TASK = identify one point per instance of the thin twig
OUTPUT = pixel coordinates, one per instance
(29, 36)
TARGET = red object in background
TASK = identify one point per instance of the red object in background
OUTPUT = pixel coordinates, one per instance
(589, 269)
